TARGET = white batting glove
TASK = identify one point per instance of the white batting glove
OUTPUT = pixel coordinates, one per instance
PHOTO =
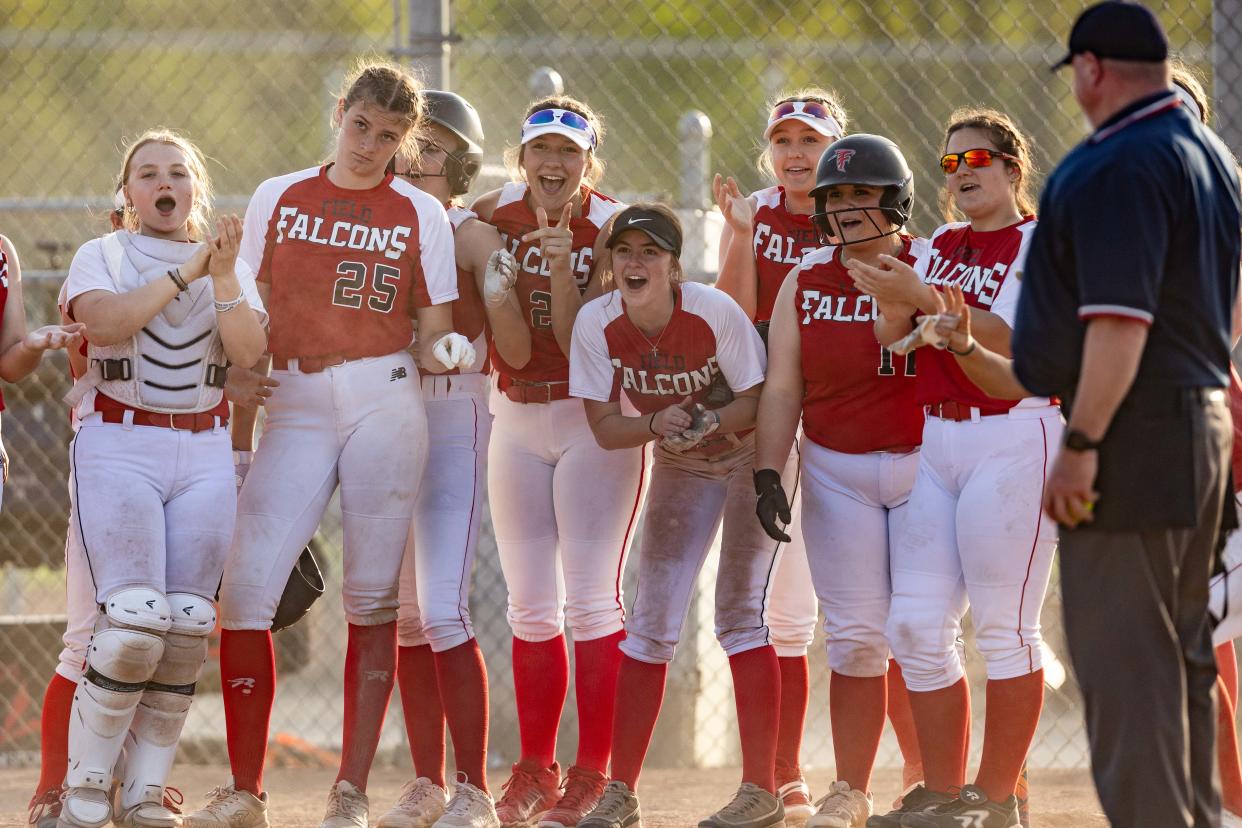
(928, 330)
(453, 351)
(703, 424)
(499, 278)
(241, 465)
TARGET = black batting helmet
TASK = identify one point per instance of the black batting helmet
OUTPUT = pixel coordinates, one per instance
(303, 588)
(871, 160)
(454, 113)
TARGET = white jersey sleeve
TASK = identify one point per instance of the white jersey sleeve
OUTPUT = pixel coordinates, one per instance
(592, 375)
(1006, 303)
(739, 349)
(259, 216)
(436, 251)
(88, 271)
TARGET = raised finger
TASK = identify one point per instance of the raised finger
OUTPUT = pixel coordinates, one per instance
(734, 190)
(566, 215)
(541, 216)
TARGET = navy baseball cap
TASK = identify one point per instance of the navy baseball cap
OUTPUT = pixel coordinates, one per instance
(1120, 31)
(655, 224)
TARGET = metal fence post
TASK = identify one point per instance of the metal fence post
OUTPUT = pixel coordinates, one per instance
(695, 131)
(545, 82)
(428, 46)
(1227, 70)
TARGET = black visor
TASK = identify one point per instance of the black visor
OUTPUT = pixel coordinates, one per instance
(656, 225)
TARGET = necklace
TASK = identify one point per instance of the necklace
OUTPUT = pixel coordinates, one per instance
(655, 346)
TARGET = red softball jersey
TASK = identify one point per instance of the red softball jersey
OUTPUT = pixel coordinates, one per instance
(707, 345)
(780, 240)
(987, 266)
(346, 268)
(4, 296)
(859, 397)
(514, 218)
(469, 315)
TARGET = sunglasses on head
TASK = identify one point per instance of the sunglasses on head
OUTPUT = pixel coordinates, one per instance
(974, 159)
(565, 118)
(812, 108)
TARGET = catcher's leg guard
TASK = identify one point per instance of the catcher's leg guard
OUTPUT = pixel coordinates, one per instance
(124, 651)
(152, 742)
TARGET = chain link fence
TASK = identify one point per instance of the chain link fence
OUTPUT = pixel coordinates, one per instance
(678, 82)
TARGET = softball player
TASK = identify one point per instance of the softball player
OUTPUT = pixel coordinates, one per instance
(563, 508)
(862, 429)
(440, 669)
(975, 530)
(20, 351)
(766, 234)
(151, 445)
(692, 365)
(346, 253)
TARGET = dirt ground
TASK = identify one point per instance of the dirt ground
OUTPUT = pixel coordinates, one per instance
(671, 798)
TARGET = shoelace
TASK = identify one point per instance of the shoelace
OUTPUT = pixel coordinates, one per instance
(414, 795)
(612, 803)
(578, 787)
(173, 799)
(522, 786)
(839, 800)
(339, 800)
(219, 797)
(42, 802)
(746, 797)
(463, 797)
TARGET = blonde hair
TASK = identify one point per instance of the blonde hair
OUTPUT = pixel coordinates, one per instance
(595, 167)
(809, 94)
(200, 211)
(608, 279)
(392, 88)
(1006, 137)
(1188, 79)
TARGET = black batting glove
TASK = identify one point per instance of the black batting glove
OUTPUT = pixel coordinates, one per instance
(772, 504)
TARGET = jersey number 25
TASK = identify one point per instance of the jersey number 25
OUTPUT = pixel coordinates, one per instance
(353, 281)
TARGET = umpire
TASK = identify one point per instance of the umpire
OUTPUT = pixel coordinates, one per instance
(1125, 315)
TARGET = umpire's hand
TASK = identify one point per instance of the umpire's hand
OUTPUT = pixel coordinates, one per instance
(773, 503)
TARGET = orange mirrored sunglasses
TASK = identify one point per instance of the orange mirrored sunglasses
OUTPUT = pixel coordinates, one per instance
(974, 159)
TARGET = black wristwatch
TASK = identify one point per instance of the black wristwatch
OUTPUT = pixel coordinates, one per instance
(1075, 440)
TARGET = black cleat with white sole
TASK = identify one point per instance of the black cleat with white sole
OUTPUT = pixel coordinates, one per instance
(971, 809)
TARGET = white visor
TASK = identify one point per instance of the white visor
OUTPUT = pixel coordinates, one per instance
(531, 133)
(828, 127)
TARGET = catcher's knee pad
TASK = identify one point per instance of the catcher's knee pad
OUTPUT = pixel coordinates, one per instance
(925, 645)
(123, 655)
(151, 744)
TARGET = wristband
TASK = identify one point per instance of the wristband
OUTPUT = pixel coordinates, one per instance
(970, 350)
(225, 307)
(651, 426)
(242, 456)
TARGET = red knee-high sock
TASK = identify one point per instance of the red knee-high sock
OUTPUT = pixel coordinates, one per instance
(640, 692)
(795, 690)
(756, 692)
(1227, 667)
(463, 690)
(942, 719)
(370, 670)
(248, 679)
(54, 725)
(856, 708)
(540, 683)
(596, 663)
(1227, 753)
(902, 719)
(417, 673)
(1013, 708)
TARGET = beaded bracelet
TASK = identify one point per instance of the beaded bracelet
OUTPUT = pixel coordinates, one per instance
(175, 275)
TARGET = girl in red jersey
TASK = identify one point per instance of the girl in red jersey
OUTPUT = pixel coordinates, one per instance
(975, 529)
(21, 350)
(563, 509)
(862, 428)
(766, 234)
(688, 359)
(440, 669)
(346, 254)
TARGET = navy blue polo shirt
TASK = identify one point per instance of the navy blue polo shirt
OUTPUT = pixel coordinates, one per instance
(1140, 221)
